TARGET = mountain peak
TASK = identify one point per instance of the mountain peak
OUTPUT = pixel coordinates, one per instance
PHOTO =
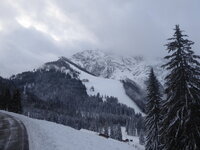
(114, 66)
(111, 66)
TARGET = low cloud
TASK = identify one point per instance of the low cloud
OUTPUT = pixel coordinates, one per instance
(33, 32)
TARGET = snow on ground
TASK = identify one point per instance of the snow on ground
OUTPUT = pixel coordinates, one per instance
(106, 87)
(45, 135)
(134, 142)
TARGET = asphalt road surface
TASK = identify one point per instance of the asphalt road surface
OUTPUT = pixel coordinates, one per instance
(13, 134)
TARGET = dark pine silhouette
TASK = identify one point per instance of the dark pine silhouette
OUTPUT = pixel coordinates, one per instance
(181, 122)
(16, 102)
(153, 118)
(10, 96)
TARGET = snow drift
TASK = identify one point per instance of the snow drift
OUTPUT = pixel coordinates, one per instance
(45, 135)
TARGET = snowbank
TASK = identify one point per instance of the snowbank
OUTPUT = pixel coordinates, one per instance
(45, 135)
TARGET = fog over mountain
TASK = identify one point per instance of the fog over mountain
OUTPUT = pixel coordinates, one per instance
(36, 31)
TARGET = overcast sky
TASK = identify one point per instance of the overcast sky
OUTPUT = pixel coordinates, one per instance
(35, 31)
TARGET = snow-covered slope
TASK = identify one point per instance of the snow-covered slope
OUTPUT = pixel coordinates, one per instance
(44, 135)
(113, 66)
(103, 86)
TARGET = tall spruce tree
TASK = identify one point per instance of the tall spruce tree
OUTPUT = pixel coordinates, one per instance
(115, 132)
(142, 139)
(16, 102)
(7, 99)
(106, 129)
(118, 133)
(181, 123)
(153, 118)
(3, 100)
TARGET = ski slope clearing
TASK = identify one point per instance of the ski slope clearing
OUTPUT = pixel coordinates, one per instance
(45, 135)
(106, 87)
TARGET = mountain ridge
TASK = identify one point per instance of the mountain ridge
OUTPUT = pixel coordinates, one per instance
(101, 73)
(57, 76)
(113, 66)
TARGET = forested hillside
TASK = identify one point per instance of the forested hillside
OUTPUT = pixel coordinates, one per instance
(55, 93)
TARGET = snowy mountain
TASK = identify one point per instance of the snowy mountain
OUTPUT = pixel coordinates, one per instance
(95, 85)
(112, 66)
(61, 79)
(42, 137)
(104, 73)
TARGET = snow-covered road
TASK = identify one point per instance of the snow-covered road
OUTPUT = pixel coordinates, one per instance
(13, 135)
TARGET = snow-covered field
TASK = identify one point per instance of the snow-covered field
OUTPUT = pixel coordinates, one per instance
(45, 135)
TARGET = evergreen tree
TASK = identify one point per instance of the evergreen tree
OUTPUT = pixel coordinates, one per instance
(7, 100)
(181, 123)
(16, 102)
(131, 127)
(3, 100)
(118, 132)
(106, 130)
(140, 125)
(153, 113)
(112, 132)
(142, 139)
(115, 132)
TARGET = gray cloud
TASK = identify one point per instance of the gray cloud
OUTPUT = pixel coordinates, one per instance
(33, 32)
